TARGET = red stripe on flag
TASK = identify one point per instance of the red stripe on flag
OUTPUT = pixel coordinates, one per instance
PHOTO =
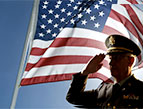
(101, 76)
(56, 60)
(62, 42)
(133, 1)
(115, 15)
(108, 30)
(83, 42)
(44, 79)
(37, 51)
(60, 77)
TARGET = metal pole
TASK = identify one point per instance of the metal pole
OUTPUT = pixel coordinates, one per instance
(29, 37)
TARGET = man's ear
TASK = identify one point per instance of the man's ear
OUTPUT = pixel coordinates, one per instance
(131, 61)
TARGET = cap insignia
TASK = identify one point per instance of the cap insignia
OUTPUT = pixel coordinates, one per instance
(111, 40)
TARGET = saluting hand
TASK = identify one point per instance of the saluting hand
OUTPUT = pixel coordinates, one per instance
(94, 64)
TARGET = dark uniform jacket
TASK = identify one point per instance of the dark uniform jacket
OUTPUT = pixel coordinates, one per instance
(108, 95)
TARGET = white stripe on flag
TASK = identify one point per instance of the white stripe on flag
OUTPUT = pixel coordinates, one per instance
(41, 44)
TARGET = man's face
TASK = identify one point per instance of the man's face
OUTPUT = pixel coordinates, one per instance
(118, 64)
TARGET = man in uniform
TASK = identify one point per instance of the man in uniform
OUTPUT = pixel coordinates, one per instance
(125, 92)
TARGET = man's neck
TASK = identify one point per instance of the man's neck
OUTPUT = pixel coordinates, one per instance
(123, 77)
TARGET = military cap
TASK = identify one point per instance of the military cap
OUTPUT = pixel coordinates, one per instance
(120, 44)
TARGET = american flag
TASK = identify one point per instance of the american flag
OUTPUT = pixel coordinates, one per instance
(70, 32)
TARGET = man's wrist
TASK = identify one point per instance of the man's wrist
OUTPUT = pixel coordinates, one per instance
(84, 73)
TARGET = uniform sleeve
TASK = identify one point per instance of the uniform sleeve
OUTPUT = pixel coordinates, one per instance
(76, 94)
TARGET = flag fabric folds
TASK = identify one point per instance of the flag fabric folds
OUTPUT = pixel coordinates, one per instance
(70, 32)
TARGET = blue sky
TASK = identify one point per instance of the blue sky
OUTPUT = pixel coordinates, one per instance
(14, 21)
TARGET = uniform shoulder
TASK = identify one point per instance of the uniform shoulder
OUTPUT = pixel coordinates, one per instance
(137, 79)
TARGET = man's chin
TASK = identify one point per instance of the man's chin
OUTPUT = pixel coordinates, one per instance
(114, 73)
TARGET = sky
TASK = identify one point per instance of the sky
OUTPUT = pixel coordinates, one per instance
(14, 20)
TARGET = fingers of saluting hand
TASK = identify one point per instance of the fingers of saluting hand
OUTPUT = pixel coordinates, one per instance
(99, 58)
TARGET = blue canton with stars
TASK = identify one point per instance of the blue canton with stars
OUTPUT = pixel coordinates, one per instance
(54, 15)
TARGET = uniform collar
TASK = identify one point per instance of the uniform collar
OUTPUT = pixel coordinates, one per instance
(123, 81)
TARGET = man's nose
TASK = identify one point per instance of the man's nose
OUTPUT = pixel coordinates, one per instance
(111, 62)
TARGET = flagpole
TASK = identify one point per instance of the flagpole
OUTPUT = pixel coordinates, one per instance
(29, 37)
